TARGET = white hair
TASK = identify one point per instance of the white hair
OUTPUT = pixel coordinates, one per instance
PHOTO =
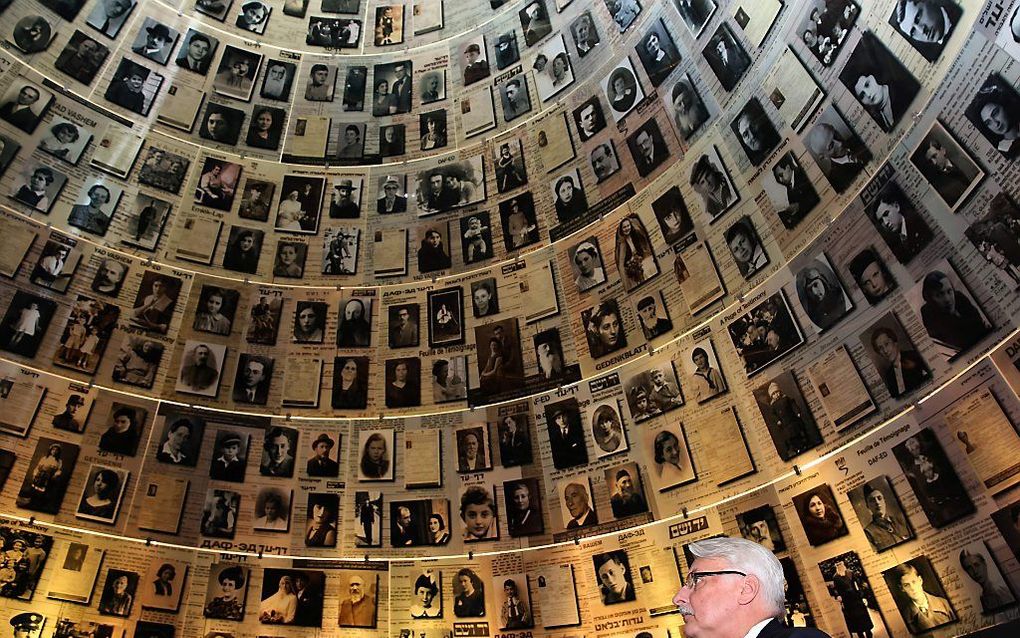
(750, 558)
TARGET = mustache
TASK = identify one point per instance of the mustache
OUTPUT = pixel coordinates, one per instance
(685, 610)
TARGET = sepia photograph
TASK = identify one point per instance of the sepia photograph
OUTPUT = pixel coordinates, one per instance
(181, 440)
(765, 333)
(819, 515)
(614, 577)
(951, 316)
(321, 524)
(671, 452)
(934, 481)
(134, 87)
(760, 525)
(787, 415)
(726, 56)
(292, 597)
(881, 514)
(919, 595)
(478, 514)
(49, 472)
(227, 591)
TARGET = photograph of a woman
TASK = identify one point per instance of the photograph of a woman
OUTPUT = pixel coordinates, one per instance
(375, 464)
(227, 592)
(819, 515)
(244, 247)
(603, 328)
(635, 257)
(118, 593)
(469, 595)
(350, 382)
(320, 530)
(100, 498)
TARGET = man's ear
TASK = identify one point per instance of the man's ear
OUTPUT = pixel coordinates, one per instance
(749, 590)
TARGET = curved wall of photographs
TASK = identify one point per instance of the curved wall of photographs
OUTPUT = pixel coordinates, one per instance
(409, 330)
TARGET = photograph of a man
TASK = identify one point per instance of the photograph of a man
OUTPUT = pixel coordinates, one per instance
(614, 578)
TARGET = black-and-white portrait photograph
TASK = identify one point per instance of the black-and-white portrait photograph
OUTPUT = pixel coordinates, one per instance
(505, 49)
(345, 198)
(514, 434)
(608, 429)
(300, 204)
(519, 221)
(881, 514)
(133, 87)
(162, 586)
(355, 84)
(712, 182)
(837, 149)
(227, 591)
(946, 166)
(391, 93)
(825, 27)
(623, 12)
(695, 13)
(265, 128)
(898, 362)
(688, 108)
(309, 322)
(154, 41)
(333, 33)
(432, 86)
(916, 588)
(468, 594)
(350, 144)
(755, 132)
(701, 365)
(604, 162)
(589, 119)
(82, 57)
(760, 525)
(576, 504)
(951, 316)
(181, 439)
(403, 322)
(355, 323)
(653, 315)
(984, 581)
(473, 449)
(38, 186)
(995, 112)
(321, 83)
(726, 57)
(403, 382)
(746, 247)
(899, 222)
(634, 253)
(278, 449)
(46, 480)
(446, 316)
(872, 275)
(146, 221)
(615, 580)
(392, 140)
(568, 196)
(585, 34)
(163, 170)
(440, 188)
(420, 523)
(389, 25)
(94, 207)
(377, 449)
(671, 452)
(289, 262)
(119, 593)
(201, 365)
(197, 53)
(819, 515)
(557, 73)
(236, 73)
(449, 379)
(604, 329)
(934, 481)
(350, 383)
(223, 124)
(217, 184)
(534, 22)
(65, 140)
(926, 24)
(653, 392)
(995, 235)
(253, 16)
(110, 16)
(473, 59)
(58, 260)
(566, 434)
(102, 493)
(243, 250)
(359, 599)
(321, 519)
(622, 89)
(230, 456)
(672, 215)
(765, 334)
(216, 309)
(478, 514)
(586, 264)
(484, 297)
(137, 362)
(879, 81)
(391, 195)
(32, 34)
(657, 52)
(848, 585)
(432, 127)
(787, 415)
(821, 293)
(523, 498)
(77, 407)
(154, 304)
(476, 237)
(292, 597)
(790, 190)
(322, 461)
(278, 80)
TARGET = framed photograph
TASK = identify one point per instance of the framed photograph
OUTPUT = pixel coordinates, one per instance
(278, 449)
(672, 215)
(389, 25)
(133, 87)
(146, 219)
(993, 111)
(931, 476)
(523, 500)
(368, 513)
(163, 585)
(951, 316)
(880, 512)
(252, 379)
(197, 52)
(360, 600)
(915, 586)
(819, 515)
(226, 591)
(403, 382)
(622, 89)
(535, 22)
(746, 247)
(701, 365)
(824, 29)
(93, 210)
(932, 39)
(478, 513)
(614, 578)
(219, 513)
(872, 275)
(137, 362)
(760, 525)
(25, 323)
(946, 166)
(119, 593)
(821, 294)
(755, 132)
(787, 415)
(725, 55)
(626, 491)
(687, 107)
(900, 223)
(334, 33)
(476, 238)
(102, 493)
(586, 264)
(576, 503)
(878, 80)
(77, 568)
(289, 262)
(377, 455)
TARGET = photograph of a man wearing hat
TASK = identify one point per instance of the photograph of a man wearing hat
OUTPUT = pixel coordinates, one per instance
(343, 204)
(229, 462)
(28, 624)
(319, 464)
(67, 420)
(392, 200)
(476, 67)
(155, 41)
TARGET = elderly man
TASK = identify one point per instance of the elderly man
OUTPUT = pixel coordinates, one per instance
(627, 499)
(581, 513)
(841, 158)
(735, 589)
(359, 609)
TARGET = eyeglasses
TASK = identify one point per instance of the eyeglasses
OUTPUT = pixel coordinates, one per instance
(693, 578)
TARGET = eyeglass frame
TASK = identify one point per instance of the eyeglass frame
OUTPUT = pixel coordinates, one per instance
(694, 577)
